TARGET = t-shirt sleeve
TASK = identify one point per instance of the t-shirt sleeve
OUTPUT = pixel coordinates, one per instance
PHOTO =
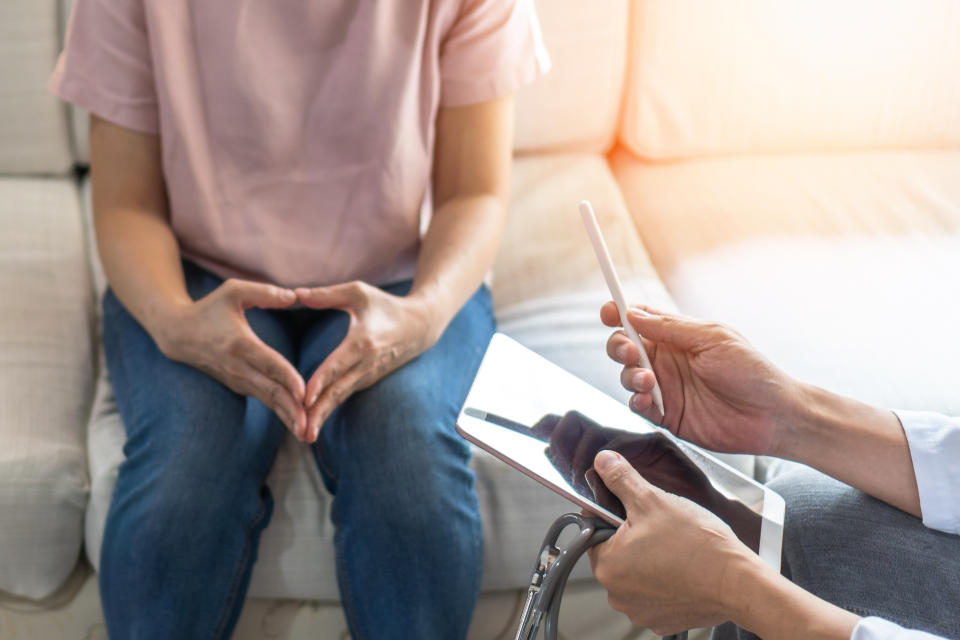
(934, 442)
(106, 66)
(492, 49)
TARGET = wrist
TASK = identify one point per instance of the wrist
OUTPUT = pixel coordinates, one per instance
(164, 321)
(765, 603)
(825, 423)
(429, 314)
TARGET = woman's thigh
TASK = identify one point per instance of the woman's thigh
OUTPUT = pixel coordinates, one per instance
(409, 415)
(175, 415)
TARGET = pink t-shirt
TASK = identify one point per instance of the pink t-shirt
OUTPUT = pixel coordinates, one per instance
(297, 136)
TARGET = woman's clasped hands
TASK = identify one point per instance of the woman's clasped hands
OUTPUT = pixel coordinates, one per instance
(213, 335)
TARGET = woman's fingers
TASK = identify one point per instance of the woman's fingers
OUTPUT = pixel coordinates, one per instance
(275, 396)
(272, 364)
(331, 397)
(341, 360)
(338, 296)
(249, 294)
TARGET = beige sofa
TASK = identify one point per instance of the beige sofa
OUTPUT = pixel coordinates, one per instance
(790, 167)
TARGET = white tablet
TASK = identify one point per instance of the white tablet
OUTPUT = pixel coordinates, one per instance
(549, 424)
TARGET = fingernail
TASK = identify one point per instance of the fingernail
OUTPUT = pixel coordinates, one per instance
(637, 380)
(622, 353)
(605, 460)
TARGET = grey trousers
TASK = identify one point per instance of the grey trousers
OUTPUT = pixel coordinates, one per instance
(865, 556)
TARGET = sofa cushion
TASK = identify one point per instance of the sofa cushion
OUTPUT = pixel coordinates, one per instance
(843, 268)
(547, 285)
(576, 106)
(34, 138)
(46, 374)
(729, 76)
(545, 249)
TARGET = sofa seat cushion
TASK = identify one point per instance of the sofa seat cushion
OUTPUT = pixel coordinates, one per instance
(749, 76)
(843, 268)
(46, 383)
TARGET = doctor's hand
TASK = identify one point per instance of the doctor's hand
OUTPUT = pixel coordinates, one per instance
(671, 565)
(212, 335)
(718, 391)
(386, 332)
(674, 566)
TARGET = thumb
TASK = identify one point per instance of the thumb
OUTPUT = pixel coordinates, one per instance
(680, 331)
(257, 294)
(623, 481)
(338, 296)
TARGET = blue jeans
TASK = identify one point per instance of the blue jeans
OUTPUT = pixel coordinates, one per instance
(865, 556)
(191, 501)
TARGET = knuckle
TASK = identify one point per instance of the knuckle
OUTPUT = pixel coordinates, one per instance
(231, 370)
(275, 395)
(614, 602)
(271, 369)
(602, 573)
(235, 345)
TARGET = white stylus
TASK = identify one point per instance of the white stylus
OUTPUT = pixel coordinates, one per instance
(613, 283)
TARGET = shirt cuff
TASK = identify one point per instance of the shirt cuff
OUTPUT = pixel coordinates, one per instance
(880, 629)
(934, 442)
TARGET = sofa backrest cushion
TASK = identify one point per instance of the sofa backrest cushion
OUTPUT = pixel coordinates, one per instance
(34, 137)
(730, 76)
(575, 107)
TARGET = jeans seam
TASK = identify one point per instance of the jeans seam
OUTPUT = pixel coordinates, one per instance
(238, 575)
(346, 597)
(322, 464)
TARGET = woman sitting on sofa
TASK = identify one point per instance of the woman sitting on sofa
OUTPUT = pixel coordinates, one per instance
(674, 566)
(259, 171)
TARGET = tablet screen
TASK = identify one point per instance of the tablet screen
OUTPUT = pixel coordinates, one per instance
(570, 443)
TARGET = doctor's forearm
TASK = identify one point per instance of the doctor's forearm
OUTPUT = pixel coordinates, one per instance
(762, 601)
(855, 443)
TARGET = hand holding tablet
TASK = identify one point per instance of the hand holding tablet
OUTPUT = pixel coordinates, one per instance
(613, 283)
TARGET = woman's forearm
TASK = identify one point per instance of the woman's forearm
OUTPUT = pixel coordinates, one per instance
(855, 443)
(137, 247)
(141, 260)
(471, 178)
(456, 253)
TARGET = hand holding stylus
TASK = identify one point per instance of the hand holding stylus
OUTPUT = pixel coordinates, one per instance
(613, 283)
(719, 392)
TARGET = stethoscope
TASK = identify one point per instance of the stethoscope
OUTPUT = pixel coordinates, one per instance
(554, 564)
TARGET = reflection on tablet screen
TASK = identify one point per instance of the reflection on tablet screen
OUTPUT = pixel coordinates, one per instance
(573, 441)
